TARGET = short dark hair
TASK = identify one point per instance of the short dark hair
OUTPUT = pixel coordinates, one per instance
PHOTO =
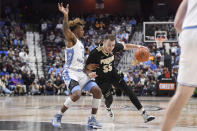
(111, 37)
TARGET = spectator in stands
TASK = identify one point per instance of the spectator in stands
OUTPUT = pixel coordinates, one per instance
(142, 81)
(21, 85)
(51, 69)
(27, 82)
(49, 88)
(31, 77)
(13, 82)
(11, 51)
(4, 72)
(151, 87)
(25, 68)
(23, 55)
(1, 64)
(136, 81)
(59, 85)
(3, 87)
(43, 26)
(153, 66)
(35, 88)
(52, 36)
(42, 85)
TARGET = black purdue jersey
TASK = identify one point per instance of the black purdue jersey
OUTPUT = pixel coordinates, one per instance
(105, 61)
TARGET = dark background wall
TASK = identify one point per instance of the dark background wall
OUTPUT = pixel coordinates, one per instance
(127, 7)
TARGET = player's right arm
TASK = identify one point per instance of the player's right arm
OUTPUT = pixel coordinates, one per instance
(68, 34)
(180, 15)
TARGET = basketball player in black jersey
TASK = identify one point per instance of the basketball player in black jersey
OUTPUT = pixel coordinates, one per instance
(101, 61)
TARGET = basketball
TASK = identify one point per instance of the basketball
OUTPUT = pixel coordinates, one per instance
(142, 54)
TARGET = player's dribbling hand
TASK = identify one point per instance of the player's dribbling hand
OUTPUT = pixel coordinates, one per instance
(92, 66)
(61, 8)
(92, 75)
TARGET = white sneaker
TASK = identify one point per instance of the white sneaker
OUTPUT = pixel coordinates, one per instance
(147, 117)
(92, 122)
(56, 121)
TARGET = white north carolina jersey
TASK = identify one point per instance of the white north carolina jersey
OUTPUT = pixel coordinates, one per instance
(74, 57)
(191, 14)
(74, 64)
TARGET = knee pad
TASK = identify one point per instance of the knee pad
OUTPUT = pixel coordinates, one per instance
(96, 103)
(68, 102)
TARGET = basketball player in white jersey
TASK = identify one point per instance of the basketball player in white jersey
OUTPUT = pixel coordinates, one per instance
(186, 24)
(73, 75)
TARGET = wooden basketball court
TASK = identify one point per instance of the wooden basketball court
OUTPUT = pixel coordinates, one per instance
(34, 113)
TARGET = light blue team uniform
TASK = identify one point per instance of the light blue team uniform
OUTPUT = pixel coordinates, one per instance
(73, 69)
(187, 75)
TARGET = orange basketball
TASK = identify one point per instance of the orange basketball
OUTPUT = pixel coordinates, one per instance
(142, 54)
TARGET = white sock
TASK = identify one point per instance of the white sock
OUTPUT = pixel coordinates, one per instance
(94, 115)
(59, 112)
(142, 110)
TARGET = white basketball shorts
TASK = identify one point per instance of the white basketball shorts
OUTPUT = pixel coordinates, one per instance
(187, 74)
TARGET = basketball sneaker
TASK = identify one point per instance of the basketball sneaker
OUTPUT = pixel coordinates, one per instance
(56, 121)
(93, 123)
(147, 117)
(110, 113)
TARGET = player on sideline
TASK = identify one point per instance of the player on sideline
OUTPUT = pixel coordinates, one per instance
(73, 74)
(108, 75)
(186, 24)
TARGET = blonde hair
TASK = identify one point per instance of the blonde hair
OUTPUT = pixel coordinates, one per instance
(76, 22)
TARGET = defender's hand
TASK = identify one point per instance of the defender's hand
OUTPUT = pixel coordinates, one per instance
(92, 75)
(92, 66)
(61, 8)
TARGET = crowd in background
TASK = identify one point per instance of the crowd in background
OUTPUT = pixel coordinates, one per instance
(15, 73)
(16, 77)
(143, 77)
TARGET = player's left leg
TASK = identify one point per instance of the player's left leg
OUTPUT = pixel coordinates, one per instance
(106, 88)
(121, 84)
(92, 87)
(182, 95)
(75, 91)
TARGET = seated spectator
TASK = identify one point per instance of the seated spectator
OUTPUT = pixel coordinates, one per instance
(3, 87)
(20, 85)
(4, 72)
(49, 88)
(25, 68)
(151, 87)
(58, 84)
(42, 85)
(23, 55)
(52, 77)
(136, 81)
(13, 82)
(35, 88)
(153, 66)
(31, 77)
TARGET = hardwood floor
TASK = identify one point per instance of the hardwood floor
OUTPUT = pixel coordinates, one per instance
(35, 113)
